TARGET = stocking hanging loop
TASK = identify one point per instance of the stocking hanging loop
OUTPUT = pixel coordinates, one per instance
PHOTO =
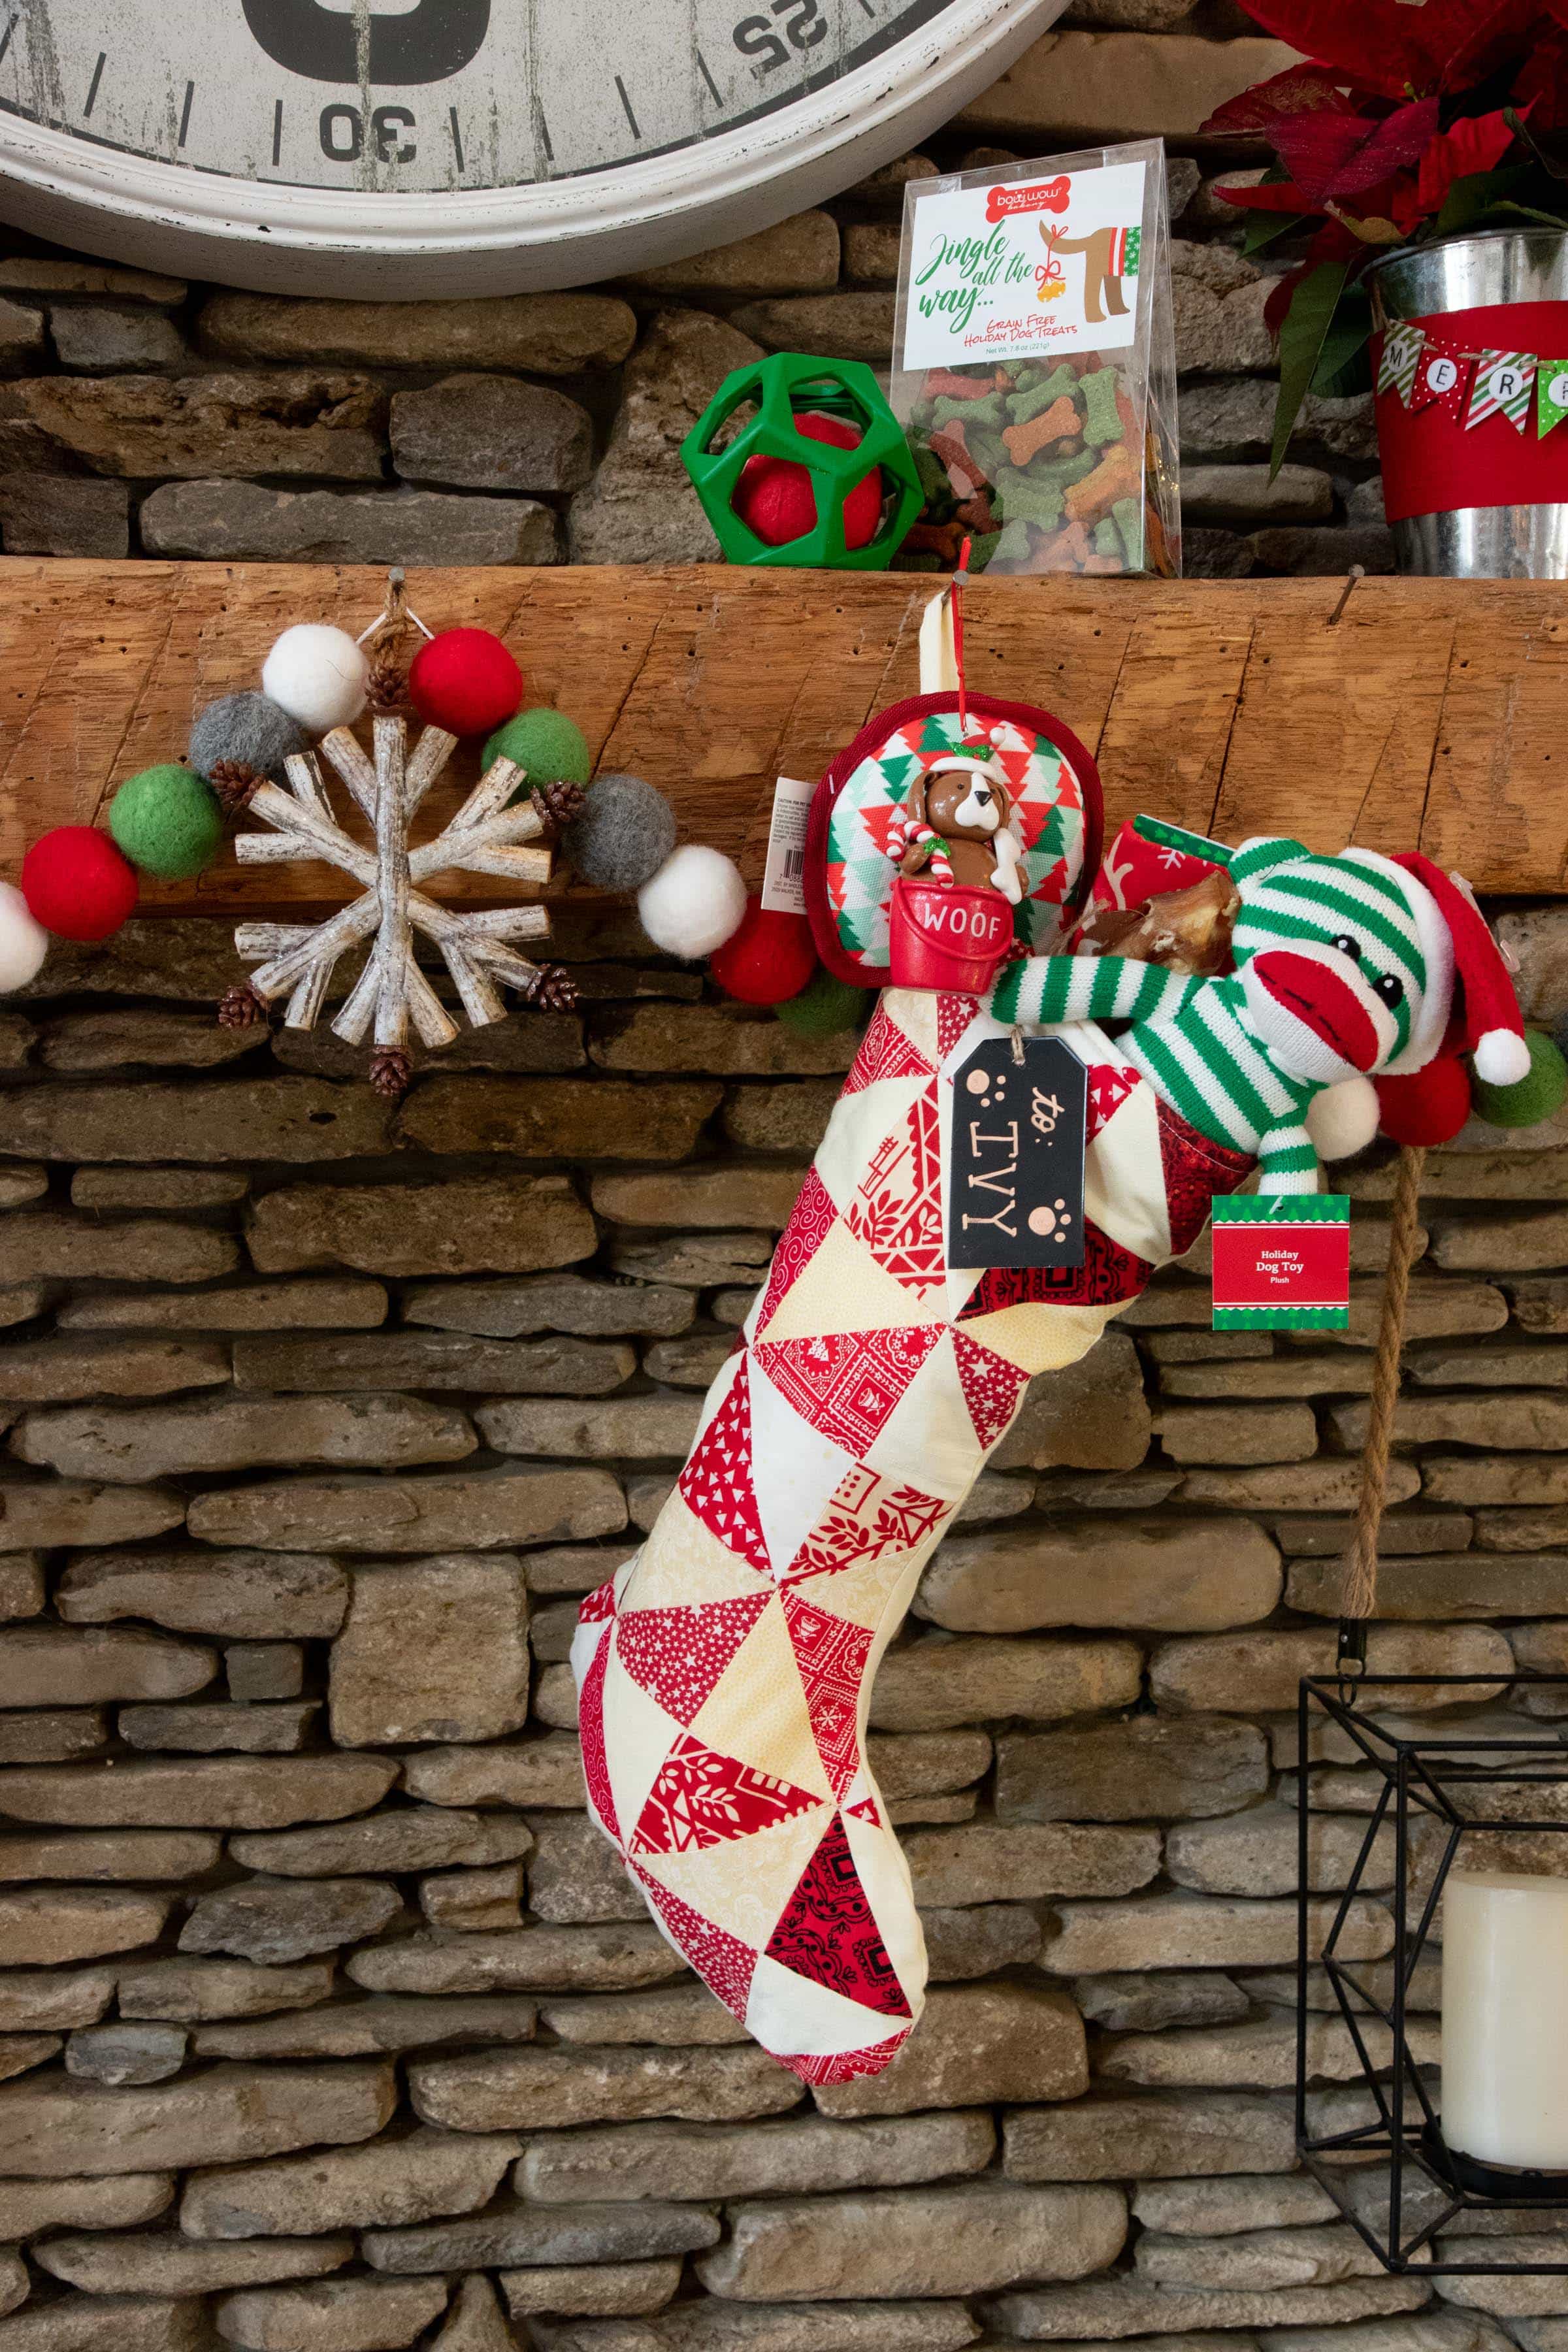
(1358, 1589)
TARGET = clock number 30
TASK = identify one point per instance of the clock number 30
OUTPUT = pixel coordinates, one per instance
(343, 134)
(755, 38)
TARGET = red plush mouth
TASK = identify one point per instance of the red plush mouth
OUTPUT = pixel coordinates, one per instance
(1322, 1001)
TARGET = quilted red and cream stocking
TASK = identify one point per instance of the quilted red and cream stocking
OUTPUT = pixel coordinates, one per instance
(726, 1672)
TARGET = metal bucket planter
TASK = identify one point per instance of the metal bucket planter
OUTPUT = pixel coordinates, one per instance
(1504, 289)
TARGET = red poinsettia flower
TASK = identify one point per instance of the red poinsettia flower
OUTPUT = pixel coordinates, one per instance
(1478, 143)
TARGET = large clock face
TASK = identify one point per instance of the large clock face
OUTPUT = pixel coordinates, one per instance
(543, 128)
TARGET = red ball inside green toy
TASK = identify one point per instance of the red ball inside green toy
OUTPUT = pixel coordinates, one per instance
(466, 681)
(776, 498)
(768, 960)
(76, 883)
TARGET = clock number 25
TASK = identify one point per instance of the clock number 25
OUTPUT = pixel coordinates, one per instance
(755, 38)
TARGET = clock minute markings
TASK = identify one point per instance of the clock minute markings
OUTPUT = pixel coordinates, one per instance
(92, 86)
(717, 94)
(626, 101)
(276, 132)
(457, 136)
(5, 35)
(185, 113)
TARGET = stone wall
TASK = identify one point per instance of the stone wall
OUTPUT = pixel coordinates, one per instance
(142, 415)
(328, 2021)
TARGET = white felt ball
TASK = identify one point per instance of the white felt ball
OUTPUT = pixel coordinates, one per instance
(1342, 1120)
(317, 675)
(694, 903)
(24, 942)
(1501, 1058)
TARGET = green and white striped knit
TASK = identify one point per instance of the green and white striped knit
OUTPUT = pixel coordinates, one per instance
(1193, 1041)
(1197, 1041)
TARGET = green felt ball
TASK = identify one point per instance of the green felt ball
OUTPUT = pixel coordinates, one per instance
(823, 1007)
(545, 744)
(167, 822)
(1534, 1097)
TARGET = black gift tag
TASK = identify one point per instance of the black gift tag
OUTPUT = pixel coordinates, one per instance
(1015, 1178)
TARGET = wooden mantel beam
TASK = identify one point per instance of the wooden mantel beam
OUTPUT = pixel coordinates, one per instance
(1433, 714)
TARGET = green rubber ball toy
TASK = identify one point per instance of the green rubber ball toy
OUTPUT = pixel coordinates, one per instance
(167, 821)
(1531, 1099)
(545, 744)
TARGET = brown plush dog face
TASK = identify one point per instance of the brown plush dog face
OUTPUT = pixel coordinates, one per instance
(962, 805)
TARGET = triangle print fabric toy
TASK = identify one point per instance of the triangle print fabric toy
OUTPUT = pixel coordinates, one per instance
(725, 1672)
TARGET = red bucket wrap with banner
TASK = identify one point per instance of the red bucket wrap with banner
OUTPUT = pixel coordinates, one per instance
(1432, 464)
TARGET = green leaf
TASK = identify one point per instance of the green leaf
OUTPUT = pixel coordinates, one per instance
(1340, 370)
(1262, 228)
(1301, 339)
(1473, 196)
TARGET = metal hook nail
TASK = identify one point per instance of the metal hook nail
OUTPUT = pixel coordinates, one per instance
(1357, 571)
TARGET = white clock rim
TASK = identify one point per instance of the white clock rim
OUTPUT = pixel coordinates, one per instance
(273, 236)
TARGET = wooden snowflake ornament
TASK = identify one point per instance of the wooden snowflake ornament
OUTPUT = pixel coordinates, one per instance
(488, 835)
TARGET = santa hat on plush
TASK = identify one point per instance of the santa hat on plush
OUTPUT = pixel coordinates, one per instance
(1477, 1011)
(1470, 1006)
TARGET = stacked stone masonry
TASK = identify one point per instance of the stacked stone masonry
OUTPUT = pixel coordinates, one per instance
(142, 415)
(327, 2023)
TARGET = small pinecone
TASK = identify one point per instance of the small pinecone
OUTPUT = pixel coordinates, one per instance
(554, 991)
(558, 804)
(240, 1007)
(233, 783)
(388, 682)
(390, 1071)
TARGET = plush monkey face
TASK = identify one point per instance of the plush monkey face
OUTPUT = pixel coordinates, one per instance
(1330, 957)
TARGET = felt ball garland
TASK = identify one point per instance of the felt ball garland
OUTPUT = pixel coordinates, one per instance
(548, 746)
(825, 1007)
(167, 821)
(318, 675)
(767, 958)
(24, 942)
(1530, 1099)
(466, 681)
(76, 883)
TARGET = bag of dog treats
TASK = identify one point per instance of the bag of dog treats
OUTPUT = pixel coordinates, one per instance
(1034, 365)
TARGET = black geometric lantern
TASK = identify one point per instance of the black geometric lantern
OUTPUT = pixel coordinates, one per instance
(1480, 1782)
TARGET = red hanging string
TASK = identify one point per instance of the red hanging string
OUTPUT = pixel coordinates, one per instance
(959, 579)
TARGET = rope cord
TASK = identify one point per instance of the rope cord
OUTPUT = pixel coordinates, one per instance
(1358, 1592)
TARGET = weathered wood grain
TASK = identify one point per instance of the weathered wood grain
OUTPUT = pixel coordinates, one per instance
(1435, 714)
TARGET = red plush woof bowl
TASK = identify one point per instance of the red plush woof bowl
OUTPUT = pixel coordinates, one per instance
(944, 935)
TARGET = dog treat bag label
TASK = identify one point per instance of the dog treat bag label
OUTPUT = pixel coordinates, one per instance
(1015, 1176)
(1024, 268)
(1283, 1261)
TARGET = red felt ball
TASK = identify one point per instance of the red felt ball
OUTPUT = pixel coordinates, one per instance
(1428, 1107)
(768, 960)
(776, 498)
(76, 883)
(466, 681)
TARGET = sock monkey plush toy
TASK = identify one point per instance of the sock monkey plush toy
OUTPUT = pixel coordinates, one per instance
(725, 1672)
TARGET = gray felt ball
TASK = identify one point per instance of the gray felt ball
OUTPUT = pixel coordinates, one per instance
(625, 834)
(246, 727)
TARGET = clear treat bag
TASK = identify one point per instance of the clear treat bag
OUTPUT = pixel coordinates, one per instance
(1034, 365)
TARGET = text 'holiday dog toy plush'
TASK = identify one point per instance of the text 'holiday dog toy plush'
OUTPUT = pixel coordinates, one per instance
(725, 1672)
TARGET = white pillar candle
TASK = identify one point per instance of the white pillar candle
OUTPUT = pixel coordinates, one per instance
(1505, 2018)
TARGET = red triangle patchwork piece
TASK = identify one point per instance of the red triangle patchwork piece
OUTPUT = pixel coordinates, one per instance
(703, 1799)
(885, 1053)
(810, 1220)
(897, 1213)
(598, 1605)
(953, 1016)
(678, 1655)
(725, 1965)
(831, 1654)
(991, 1387)
(845, 1384)
(866, 1810)
(827, 1934)
(716, 1483)
(867, 1516)
(844, 2066)
(591, 1731)
(1110, 1084)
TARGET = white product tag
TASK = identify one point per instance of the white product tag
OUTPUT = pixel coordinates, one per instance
(784, 878)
